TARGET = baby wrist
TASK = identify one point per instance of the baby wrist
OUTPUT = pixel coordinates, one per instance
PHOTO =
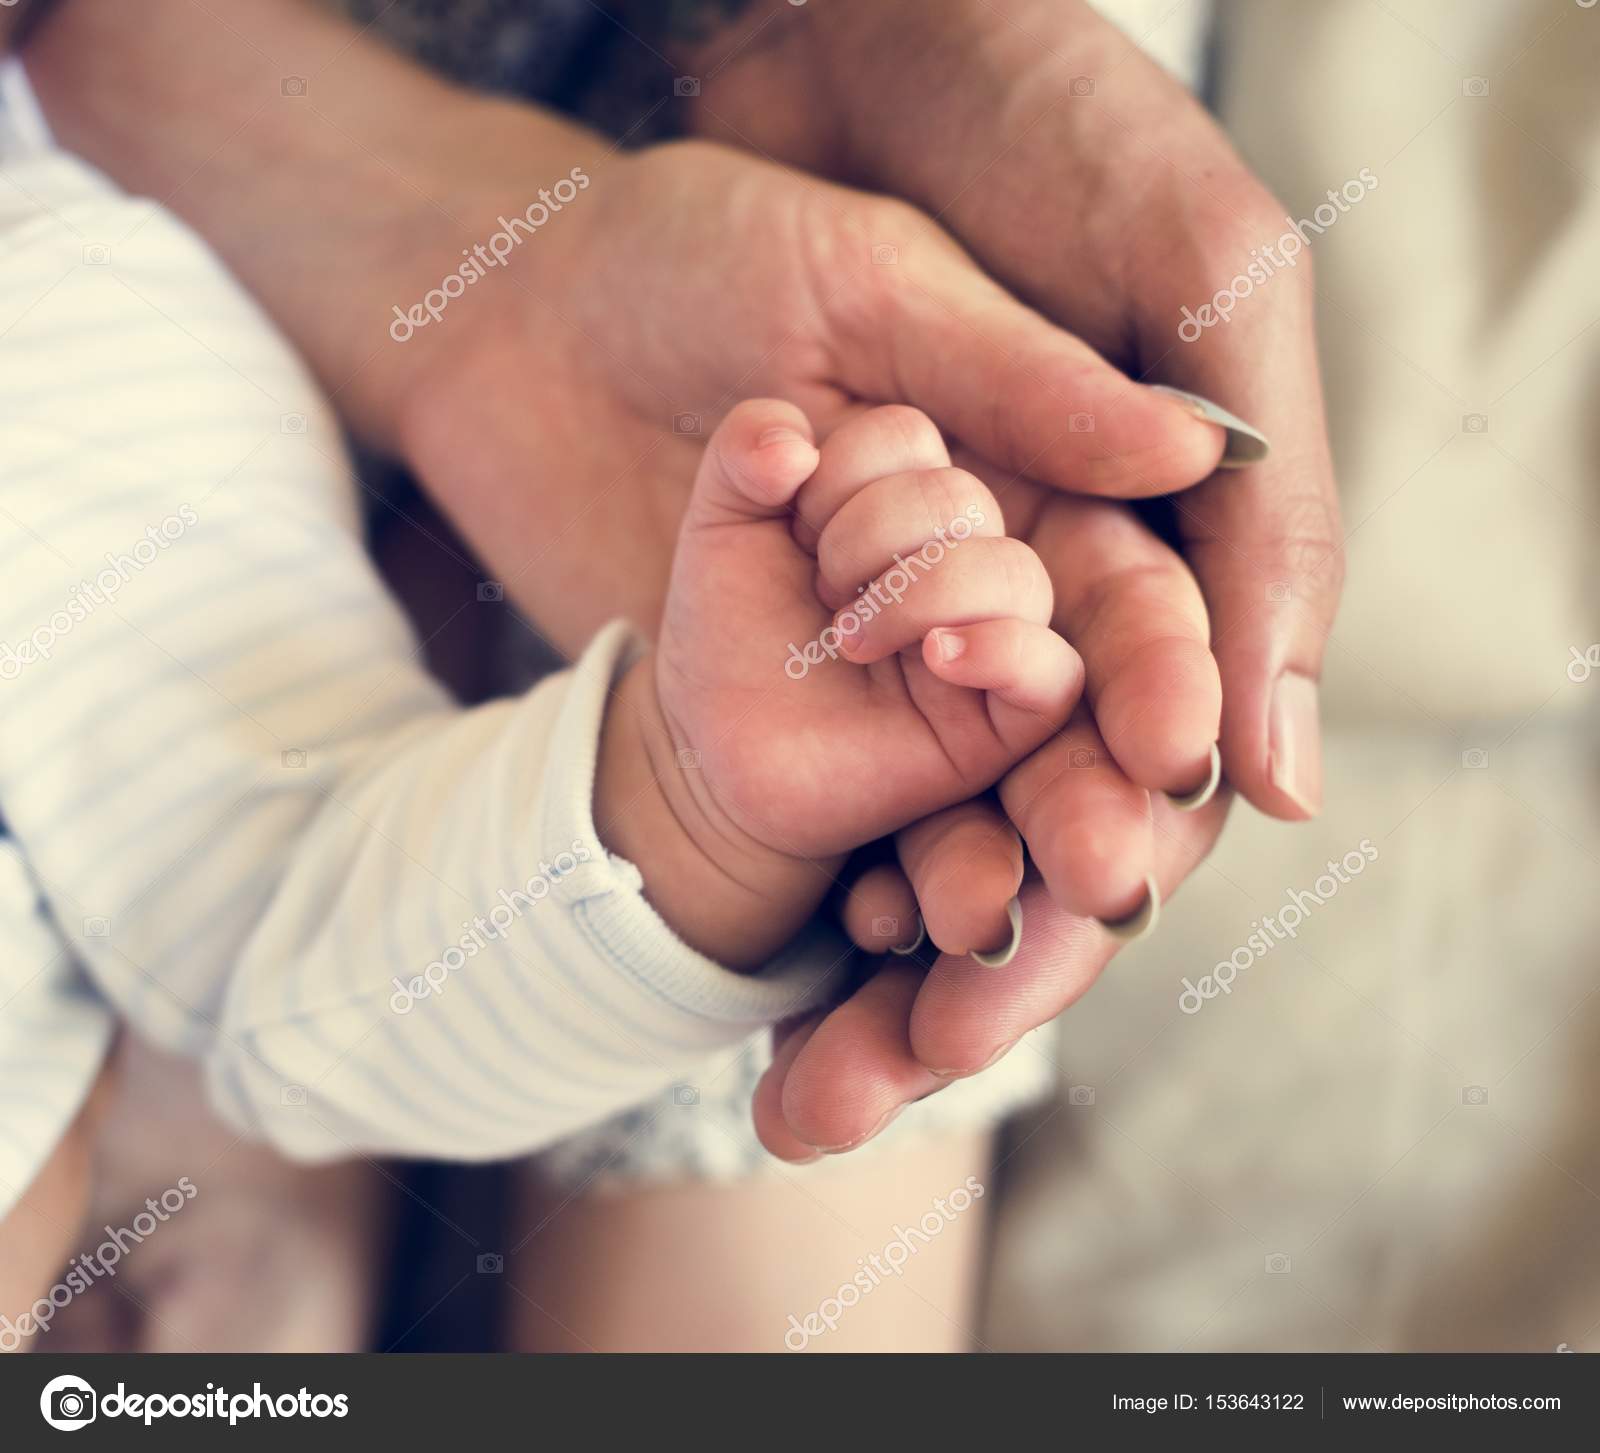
(731, 898)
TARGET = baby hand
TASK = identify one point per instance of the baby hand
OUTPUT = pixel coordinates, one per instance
(850, 643)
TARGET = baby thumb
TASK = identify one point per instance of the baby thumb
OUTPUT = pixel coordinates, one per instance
(754, 465)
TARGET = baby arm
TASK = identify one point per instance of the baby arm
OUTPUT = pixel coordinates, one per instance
(276, 845)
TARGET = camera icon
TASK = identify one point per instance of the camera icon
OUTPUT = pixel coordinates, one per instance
(1475, 759)
(686, 424)
(1474, 423)
(67, 1402)
(96, 254)
(685, 1095)
(292, 423)
(1475, 1095)
(1278, 591)
(686, 86)
(1277, 1264)
(1081, 1095)
(491, 1263)
(885, 254)
(1081, 758)
(292, 1095)
(491, 590)
(1082, 86)
(688, 759)
(1475, 86)
(294, 758)
(293, 86)
(885, 927)
(1080, 423)
(97, 927)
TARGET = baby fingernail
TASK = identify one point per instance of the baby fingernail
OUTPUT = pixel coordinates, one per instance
(1246, 443)
(1294, 761)
(949, 644)
(779, 434)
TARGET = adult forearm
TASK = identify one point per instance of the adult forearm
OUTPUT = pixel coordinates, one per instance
(836, 86)
(338, 179)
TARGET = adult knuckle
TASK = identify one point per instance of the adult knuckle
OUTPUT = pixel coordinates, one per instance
(1311, 555)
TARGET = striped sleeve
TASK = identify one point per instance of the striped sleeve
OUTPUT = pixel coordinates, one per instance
(54, 1032)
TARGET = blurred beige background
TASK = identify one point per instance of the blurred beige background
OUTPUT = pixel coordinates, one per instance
(1385, 1136)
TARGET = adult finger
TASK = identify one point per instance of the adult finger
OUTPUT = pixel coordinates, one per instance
(967, 1016)
(937, 333)
(856, 1071)
(965, 866)
(1265, 543)
(766, 1105)
(1135, 613)
(879, 912)
(1088, 828)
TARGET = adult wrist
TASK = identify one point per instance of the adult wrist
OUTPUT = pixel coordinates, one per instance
(814, 85)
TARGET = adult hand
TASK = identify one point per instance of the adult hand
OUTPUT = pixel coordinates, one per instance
(559, 413)
(699, 277)
(1091, 183)
(546, 422)
(838, 1078)
(1086, 179)
(1092, 832)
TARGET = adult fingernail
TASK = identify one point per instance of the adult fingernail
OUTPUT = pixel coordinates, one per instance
(916, 943)
(1000, 957)
(877, 1130)
(1194, 801)
(1246, 443)
(998, 1055)
(1294, 760)
(989, 1063)
(1141, 923)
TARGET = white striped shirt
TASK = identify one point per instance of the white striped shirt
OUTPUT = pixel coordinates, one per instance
(255, 818)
